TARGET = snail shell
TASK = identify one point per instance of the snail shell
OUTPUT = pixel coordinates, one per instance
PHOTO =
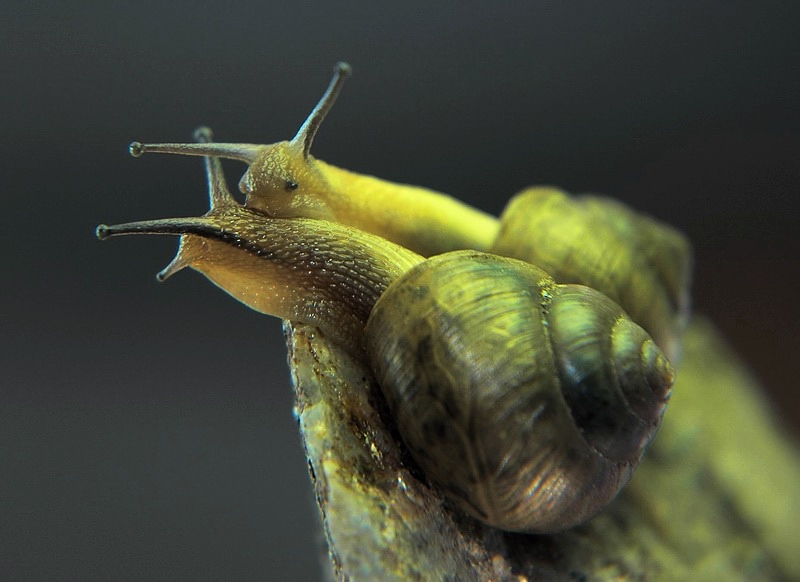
(640, 263)
(529, 403)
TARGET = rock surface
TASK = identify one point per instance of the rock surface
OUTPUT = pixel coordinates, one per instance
(716, 498)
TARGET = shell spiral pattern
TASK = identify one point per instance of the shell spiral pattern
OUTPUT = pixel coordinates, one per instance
(528, 402)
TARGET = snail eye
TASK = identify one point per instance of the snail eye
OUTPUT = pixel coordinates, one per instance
(291, 185)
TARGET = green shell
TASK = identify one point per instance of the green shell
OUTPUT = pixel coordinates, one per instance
(640, 263)
(529, 403)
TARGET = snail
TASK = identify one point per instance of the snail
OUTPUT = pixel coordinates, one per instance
(284, 179)
(528, 402)
(640, 263)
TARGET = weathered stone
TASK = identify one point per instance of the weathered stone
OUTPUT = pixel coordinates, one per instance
(716, 498)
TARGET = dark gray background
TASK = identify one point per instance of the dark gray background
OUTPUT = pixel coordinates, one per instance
(146, 430)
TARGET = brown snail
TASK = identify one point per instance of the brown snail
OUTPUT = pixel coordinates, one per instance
(529, 403)
(640, 263)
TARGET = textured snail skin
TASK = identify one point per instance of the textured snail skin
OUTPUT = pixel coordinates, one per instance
(640, 263)
(297, 269)
(529, 403)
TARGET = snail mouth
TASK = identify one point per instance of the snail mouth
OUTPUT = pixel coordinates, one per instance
(251, 203)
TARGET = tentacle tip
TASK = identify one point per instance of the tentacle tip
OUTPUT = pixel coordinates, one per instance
(102, 231)
(174, 266)
(169, 270)
(343, 68)
(203, 134)
(136, 148)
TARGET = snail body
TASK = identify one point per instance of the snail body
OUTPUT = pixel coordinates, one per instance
(529, 403)
(284, 180)
(639, 262)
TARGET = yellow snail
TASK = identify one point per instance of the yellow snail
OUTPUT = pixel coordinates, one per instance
(528, 403)
(638, 262)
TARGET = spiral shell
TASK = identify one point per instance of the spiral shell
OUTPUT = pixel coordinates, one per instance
(640, 263)
(528, 402)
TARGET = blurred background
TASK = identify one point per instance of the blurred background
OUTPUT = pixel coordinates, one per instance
(146, 430)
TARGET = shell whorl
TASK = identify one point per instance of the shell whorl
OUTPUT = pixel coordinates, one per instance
(521, 398)
(640, 263)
